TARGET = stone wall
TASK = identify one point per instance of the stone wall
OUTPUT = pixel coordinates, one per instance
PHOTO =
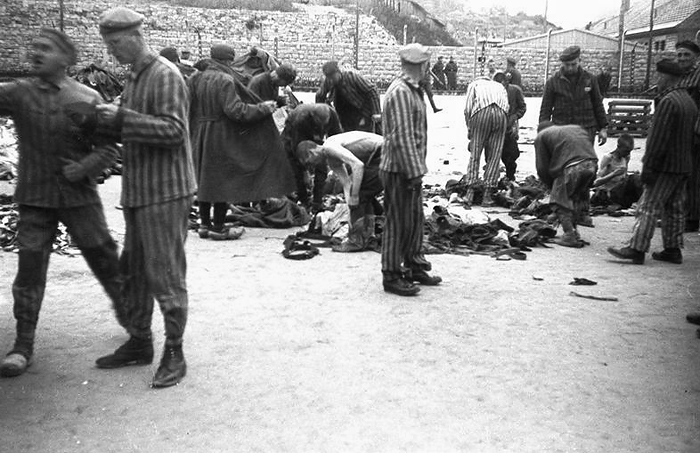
(306, 39)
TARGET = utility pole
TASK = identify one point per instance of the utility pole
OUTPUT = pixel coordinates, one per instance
(60, 5)
(651, 29)
(546, 7)
(357, 34)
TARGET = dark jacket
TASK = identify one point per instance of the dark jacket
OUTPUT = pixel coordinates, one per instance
(237, 148)
(578, 102)
(559, 146)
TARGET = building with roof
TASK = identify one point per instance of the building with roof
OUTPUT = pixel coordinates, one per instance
(562, 39)
(673, 21)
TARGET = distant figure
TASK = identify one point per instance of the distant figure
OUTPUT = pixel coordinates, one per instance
(355, 98)
(613, 186)
(171, 54)
(439, 72)
(515, 77)
(267, 84)
(451, 73)
(604, 77)
(491, 67)
(516, 110)
(426, 84)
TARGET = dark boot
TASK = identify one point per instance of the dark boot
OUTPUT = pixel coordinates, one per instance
(627, 253)
(172, 367)
(672, 255)
(136, 351)
(401, 287)
(422, 277)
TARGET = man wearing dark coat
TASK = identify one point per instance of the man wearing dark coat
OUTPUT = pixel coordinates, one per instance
(237, 149)
(451, 73)
(439, 72)
(266, 84)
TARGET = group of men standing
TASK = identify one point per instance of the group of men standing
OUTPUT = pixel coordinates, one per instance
(176, 136)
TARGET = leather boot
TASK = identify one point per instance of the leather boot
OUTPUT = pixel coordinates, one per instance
(172, 367)
(627, 253)
(671, 255)
(136, 351)
(487, 200)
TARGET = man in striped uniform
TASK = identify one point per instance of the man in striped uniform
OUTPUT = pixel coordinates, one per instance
(687, 53)
(486, 115)
(666, 165)
(58, 164)
(355, 98)
(157, 191)
(401, 170)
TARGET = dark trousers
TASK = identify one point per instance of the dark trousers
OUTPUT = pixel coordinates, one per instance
(571, 191)
(154, 267)
(403, 228)
(205, 218)
(36, 232)
(510, 155)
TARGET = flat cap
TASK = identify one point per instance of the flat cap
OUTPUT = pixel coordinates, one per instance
(170, 53)
(414, 53)
(510, 60)
(668, 66)
(62, 41)
(119, 19)
(690, 45)
(223, 52)
(570, 53)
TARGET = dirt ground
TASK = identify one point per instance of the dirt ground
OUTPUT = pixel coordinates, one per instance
(312, 356)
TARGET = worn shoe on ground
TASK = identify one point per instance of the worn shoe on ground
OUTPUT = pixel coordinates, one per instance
(203, 232)
(172, 368)
(14, 364)
(571, 239)
(627, 253)
(693, 318)
(586, 221)
(669, 255)
(424, 278)
(227, 234)
(401, 287)
(134, 352)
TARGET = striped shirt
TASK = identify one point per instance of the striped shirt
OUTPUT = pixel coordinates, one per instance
(157, 157)
(573, 100)
(670, 140)
(483, 92)
(405, 129)
(46, 136)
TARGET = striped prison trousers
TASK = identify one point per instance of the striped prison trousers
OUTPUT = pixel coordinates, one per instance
(403, 227)
(487, 131)
(666, 199)
(153, 265)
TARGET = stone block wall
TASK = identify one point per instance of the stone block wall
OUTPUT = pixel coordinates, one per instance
(307, 39)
